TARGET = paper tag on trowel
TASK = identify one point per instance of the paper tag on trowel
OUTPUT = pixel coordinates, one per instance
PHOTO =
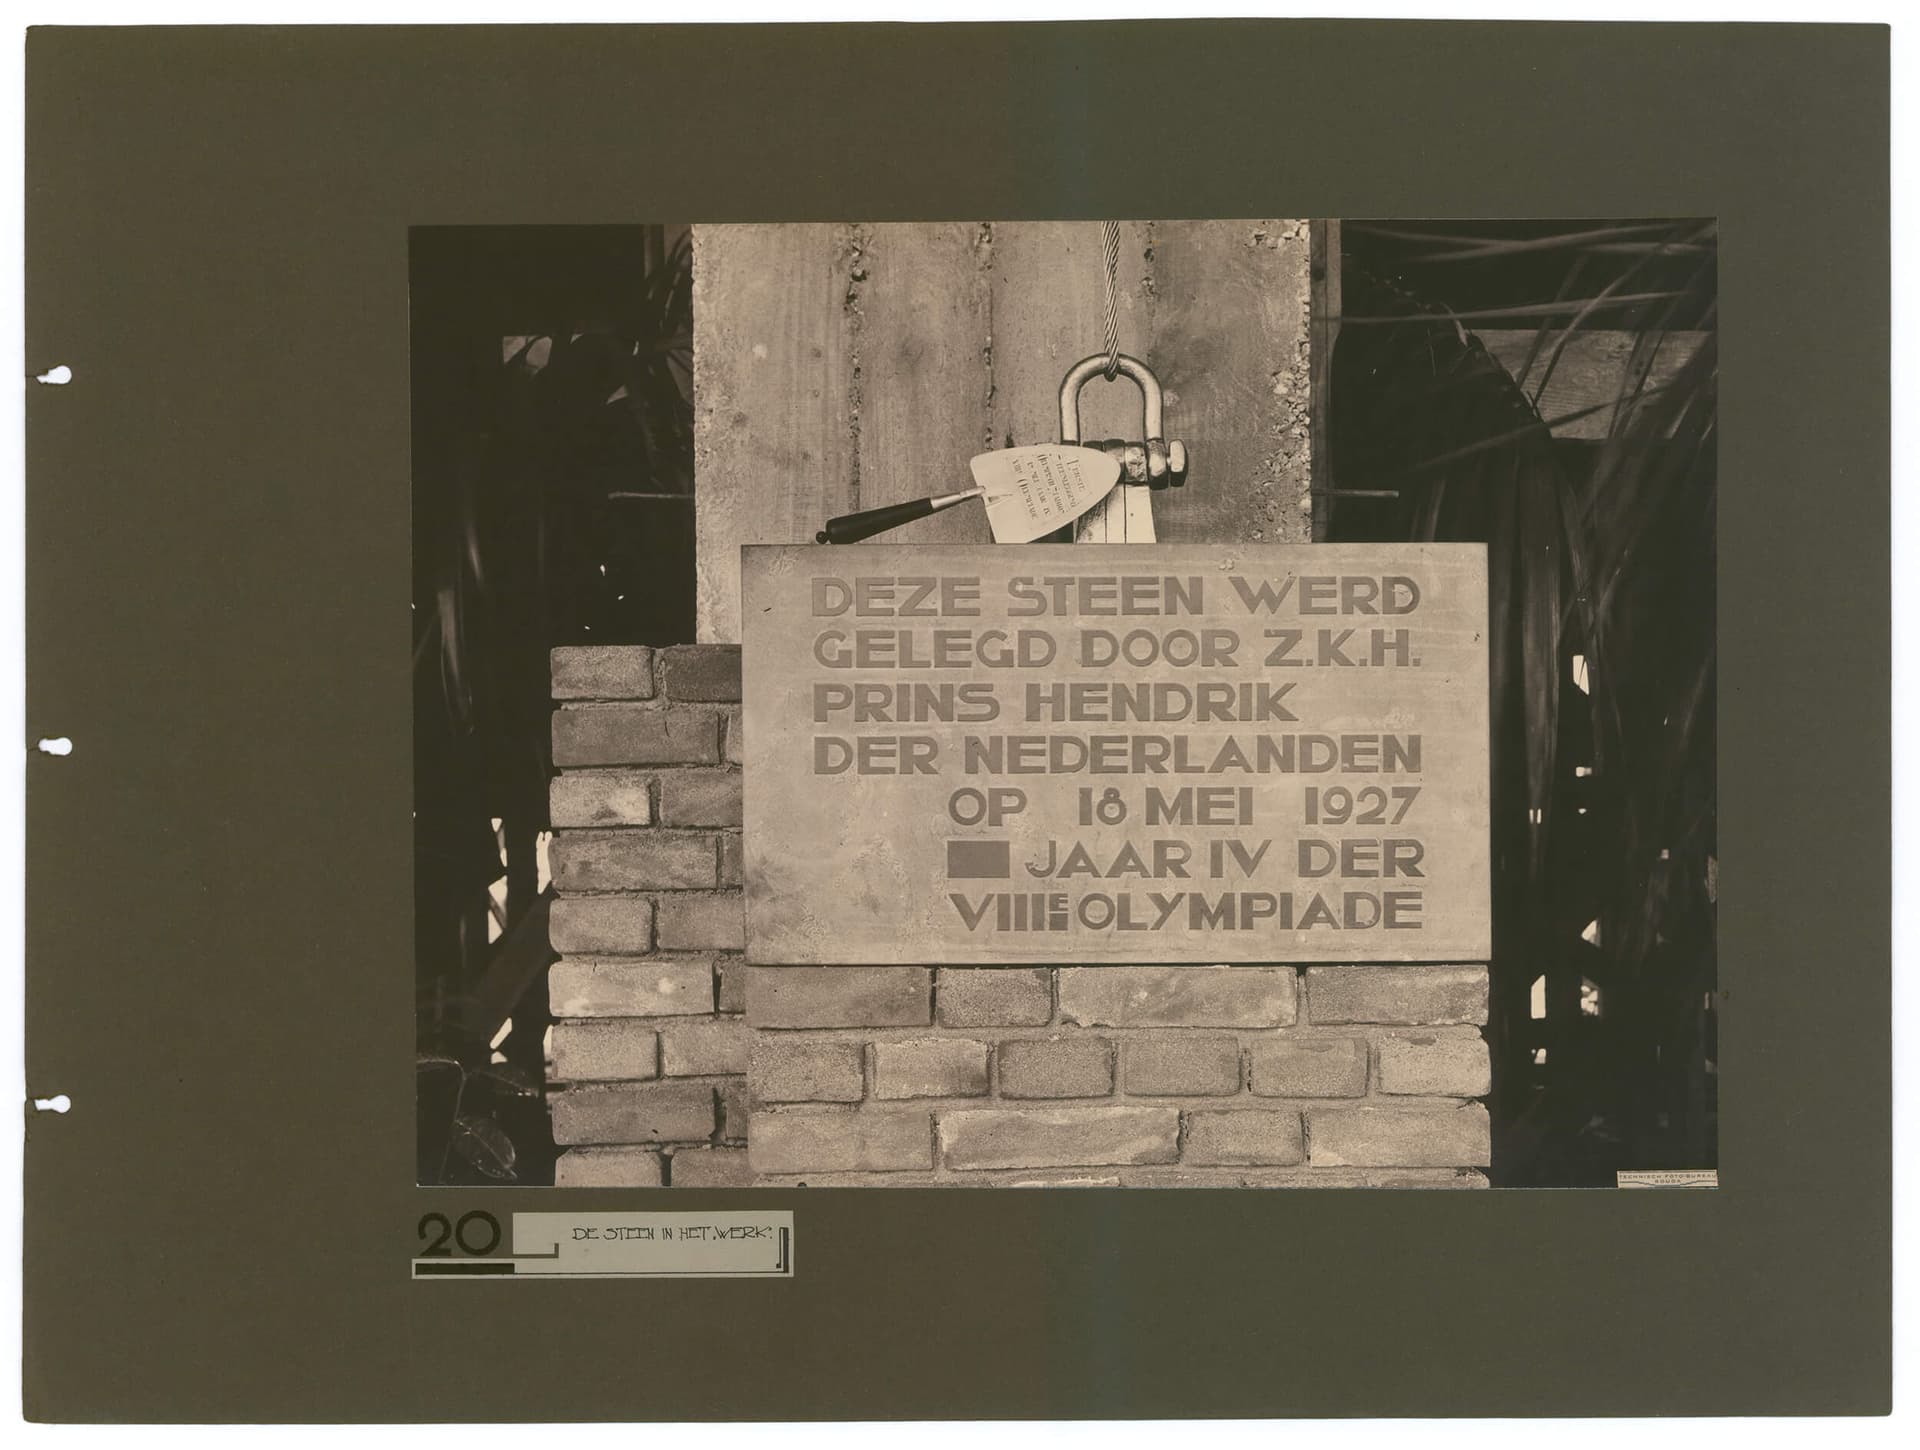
(1034, 490)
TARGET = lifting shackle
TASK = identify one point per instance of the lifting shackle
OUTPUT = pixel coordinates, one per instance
(1156, 463)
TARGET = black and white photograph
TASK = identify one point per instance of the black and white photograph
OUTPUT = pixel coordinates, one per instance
(1173, 703)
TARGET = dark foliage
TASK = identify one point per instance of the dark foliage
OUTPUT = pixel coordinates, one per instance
(1601, 596)
(552, 505)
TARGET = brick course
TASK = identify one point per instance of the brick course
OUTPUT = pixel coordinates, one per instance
(1400, 1137)
(994, 997)
(1185, 1064)
(812, 1141)
(1309, 1067)
(634, 735)
(1244, 1136)
(633, 861)
(1177, 996)
(689, 922)
(1057, 1067)
(711, 1168)
(634, 1113)
(700, 672)
(602, 672)
(1410, 996)
(704, 1047)
(699, 798)
(1435, 1064)
(655, 987)
(1058, 1137)
(601, 798)
(601, 924)
(798, 1070)
(930, 1067)
(838, 996)
(618, 1050)
(608, 1168)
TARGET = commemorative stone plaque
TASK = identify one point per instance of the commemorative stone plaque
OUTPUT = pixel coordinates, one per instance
(1172, 753)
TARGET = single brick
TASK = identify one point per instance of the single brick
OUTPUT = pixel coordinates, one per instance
(602, 672)
(660, 987)
(600, 798)
(602, 1050)
(1177, 996)
(735, 1109)
(1450, 1064)
(1449, 1137)
(1244, 1136)
(607, 1168)
(838, 996)
(1057, 1067)
(1058, 1137)
(1401, 996)
(1007, 997)
(688, 923)
(1309, 1067)
(733, 737)
(634, 735)
(703, 1047)
(732, 869)
(641, 1113)
(701, 672)
(730, 984)
(930, 1067)
(700, 797)
(616, 925)
(632, 861)
(805, 1070)
(1183, 1063)
(710, 1168)
(839, 1141)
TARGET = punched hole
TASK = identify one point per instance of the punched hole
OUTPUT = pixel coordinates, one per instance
(56, 376)
(56, 745)
(59, 1103)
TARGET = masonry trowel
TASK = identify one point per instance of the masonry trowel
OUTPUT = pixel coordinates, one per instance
(1029, 493)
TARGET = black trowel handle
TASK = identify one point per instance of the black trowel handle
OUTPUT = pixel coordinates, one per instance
(852, 528)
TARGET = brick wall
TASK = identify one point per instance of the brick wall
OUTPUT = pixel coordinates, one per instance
(678, 1064)
(650, 1044)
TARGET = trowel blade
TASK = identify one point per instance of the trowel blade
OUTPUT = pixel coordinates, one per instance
(1034, 490)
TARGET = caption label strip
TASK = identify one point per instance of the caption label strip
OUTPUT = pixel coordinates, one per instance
(747, 1245)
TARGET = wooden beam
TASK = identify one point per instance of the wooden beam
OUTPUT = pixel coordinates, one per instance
(1588, 378)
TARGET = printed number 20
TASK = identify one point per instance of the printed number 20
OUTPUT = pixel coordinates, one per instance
(457, 1233)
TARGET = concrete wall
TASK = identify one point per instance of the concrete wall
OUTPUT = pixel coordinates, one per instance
(845, 366)
(679, 1063)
